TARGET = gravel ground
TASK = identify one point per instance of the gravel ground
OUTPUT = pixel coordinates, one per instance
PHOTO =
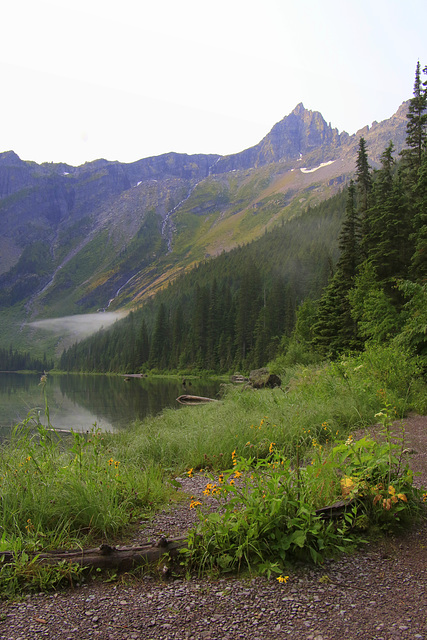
(379, 593)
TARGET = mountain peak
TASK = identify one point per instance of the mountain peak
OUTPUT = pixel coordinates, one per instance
(10, 159)
(299, 109)
(297, 134)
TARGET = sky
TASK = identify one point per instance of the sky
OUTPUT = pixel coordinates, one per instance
(130, 79)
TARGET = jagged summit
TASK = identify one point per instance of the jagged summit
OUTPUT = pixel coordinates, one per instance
(299, 109)
(75, 238)
(11, 159)
(297, 134)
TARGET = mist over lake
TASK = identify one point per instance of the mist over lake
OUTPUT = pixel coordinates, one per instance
(79, 326)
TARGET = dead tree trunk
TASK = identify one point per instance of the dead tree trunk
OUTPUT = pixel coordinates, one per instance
(106, 557)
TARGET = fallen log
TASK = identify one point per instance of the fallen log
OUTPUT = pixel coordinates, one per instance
(336, 510)
(186, 399)
(106, 557)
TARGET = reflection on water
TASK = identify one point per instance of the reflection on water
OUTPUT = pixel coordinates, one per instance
(78, 401)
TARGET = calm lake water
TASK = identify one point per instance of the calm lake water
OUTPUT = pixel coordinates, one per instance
(78, 401)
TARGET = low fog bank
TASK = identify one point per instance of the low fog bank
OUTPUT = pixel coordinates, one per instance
(79, 326)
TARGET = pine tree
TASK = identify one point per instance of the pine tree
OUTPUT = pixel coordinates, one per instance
(143, 344)
(386, 243)
(160, 343)
(349, 239)
(419, 257)
(336, 330)
(416, 128)
(363, 186)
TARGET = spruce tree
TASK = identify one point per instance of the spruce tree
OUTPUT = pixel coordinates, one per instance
(363, 186)
(336, 330)
(386, 241)
(416, 128)
(419, 257)
(160, 343)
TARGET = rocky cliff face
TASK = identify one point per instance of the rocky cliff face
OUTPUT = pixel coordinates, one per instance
(298, 134)
(80, 233)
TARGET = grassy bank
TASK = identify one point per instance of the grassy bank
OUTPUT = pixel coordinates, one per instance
(63, 492)
(344, 394)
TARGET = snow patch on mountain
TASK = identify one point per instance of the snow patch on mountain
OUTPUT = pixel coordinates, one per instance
(323, 164)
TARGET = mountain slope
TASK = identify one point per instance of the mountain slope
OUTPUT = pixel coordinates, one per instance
(107, 234)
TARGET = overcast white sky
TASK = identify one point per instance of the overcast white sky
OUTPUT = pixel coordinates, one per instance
(128, 79)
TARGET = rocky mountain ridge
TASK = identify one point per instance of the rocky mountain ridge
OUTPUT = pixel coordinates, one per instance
(105, 234)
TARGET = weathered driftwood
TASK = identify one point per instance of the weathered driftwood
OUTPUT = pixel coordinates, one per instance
(186, 399)
(106, 557)
(334, 511)
(126, 558)
(238, 378)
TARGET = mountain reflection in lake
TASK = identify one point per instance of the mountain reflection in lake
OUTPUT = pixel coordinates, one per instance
(78, 401)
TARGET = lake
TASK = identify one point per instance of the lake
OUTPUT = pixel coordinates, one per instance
(77, 401)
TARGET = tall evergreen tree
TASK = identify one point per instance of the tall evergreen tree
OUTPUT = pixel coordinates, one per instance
(416, 127)
(419, 257)
(363, 186)
(336, 330)
(386, 242)
(160, 343)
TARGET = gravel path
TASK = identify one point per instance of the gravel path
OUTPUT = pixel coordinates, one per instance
(377, 594)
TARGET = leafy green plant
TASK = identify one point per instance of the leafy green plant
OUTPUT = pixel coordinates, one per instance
(24, 573)
(271, 509)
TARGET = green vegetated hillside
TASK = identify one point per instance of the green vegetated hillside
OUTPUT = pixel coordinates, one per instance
(110, 235)
(231, 311)
(269, 298)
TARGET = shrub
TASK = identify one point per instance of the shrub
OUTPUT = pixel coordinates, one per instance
(272, 509)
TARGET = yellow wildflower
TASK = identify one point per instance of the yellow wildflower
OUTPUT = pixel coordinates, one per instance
(283, 579)
(347, 485)
(271, 447)
(190, 472)
(194, 504)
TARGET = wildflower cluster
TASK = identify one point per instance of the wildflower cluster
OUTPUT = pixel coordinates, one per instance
(387, 498)
(263, 423)
(211, 489)
(271, 514)
(114, 463)
(29, 526)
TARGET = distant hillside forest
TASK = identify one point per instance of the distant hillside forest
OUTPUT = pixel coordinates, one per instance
(227, 313)
(349, 270)
(12, 360)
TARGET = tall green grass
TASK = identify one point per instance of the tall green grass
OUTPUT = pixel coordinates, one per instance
(63, 492)
(344, 394)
